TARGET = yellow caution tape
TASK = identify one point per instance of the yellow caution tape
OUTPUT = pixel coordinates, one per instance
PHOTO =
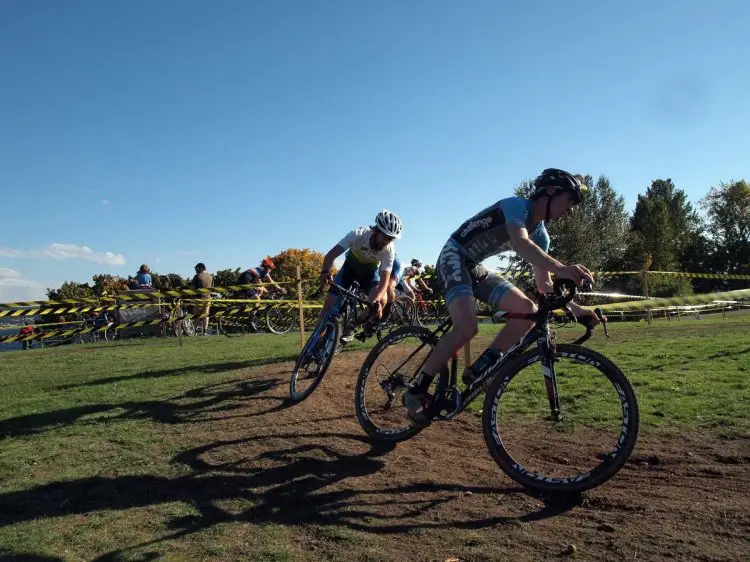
(669, 301)
(71, 310)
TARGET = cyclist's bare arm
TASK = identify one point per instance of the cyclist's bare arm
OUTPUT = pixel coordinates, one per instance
(531, 252)
(542, 280)
(382, 288)
(275, 285)
(328, 260)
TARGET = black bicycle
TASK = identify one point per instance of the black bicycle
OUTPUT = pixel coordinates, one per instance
(326, 341)
(572, 436)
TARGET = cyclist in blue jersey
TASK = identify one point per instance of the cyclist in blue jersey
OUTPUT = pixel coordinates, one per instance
(369, 261)
(513, 223)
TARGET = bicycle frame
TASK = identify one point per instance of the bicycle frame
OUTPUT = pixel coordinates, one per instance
(345, 304)
(451, 402)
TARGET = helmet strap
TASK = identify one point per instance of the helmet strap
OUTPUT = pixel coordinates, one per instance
(549, 204)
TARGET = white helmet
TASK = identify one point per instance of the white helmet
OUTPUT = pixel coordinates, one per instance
(388, 223)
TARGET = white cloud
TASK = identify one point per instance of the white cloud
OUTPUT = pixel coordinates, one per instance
(7, 273)
(14, 288)
(58, 251)
(105, 202)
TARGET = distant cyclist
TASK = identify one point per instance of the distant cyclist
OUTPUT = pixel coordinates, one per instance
(258, 276)
(411, 275)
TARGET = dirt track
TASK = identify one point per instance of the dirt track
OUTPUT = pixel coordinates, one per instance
(440, 495)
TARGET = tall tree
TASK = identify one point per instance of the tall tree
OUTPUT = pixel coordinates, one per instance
(665, 231)
(728, 209)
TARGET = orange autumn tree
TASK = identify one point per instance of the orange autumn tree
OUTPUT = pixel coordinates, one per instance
(310, 262)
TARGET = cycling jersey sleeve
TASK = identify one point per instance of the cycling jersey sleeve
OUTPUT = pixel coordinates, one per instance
(540, 237)
(386, 264)
(515, 210)
(347, 241)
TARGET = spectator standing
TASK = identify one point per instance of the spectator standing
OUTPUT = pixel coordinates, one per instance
(203, 280)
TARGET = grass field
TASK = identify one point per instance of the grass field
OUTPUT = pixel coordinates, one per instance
(75, 420)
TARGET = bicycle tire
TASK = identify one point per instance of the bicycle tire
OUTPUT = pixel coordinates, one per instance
(422, 313)
(360, 406)
(279, 320)
(329, 342)
(407, 311)
(610, 462)
(85, 338)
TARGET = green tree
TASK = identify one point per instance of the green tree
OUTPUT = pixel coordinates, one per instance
(106, 284)
(71, 290)
(728, 209)
(665, 227)
(226, 277)
(164, 282)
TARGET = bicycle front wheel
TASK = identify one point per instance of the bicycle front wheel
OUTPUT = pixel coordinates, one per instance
(279, 319)
(576, 449)
(314, 360)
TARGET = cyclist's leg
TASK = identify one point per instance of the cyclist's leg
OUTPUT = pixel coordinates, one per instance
(457, 283)
(464, 315)
(390, 297)
(344, 278)
(407, 290)
(501, 294)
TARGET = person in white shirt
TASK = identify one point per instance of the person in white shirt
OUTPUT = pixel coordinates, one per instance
(369, 251)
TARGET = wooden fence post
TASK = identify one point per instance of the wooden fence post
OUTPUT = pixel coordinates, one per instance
(301, 310)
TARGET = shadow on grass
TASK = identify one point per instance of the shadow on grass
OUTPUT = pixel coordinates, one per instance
(691, 361)
(194, 406)
(9, 556)
(190, 369)
(288, 479)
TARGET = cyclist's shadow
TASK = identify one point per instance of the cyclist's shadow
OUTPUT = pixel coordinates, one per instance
(304, 484)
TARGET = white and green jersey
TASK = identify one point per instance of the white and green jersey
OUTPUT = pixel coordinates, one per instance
(361, 257)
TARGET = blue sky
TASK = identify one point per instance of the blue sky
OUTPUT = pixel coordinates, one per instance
(174, 131)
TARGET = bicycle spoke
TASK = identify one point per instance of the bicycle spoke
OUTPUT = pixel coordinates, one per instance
(597, 416)
(388, 372)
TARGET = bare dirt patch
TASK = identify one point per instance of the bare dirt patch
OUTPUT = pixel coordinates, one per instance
(440, 495)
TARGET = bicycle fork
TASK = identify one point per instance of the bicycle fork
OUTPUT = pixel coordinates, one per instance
(547, 355)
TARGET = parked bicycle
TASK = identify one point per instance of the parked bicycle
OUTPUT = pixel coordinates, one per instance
(100, 324)
(572, 436)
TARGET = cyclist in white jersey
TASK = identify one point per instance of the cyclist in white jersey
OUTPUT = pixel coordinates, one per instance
(412, 274)
(369, 251)
(513, 223)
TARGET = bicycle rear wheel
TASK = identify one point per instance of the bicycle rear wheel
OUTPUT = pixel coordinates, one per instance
(388, 371)
(583, 446)
(314, 360)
